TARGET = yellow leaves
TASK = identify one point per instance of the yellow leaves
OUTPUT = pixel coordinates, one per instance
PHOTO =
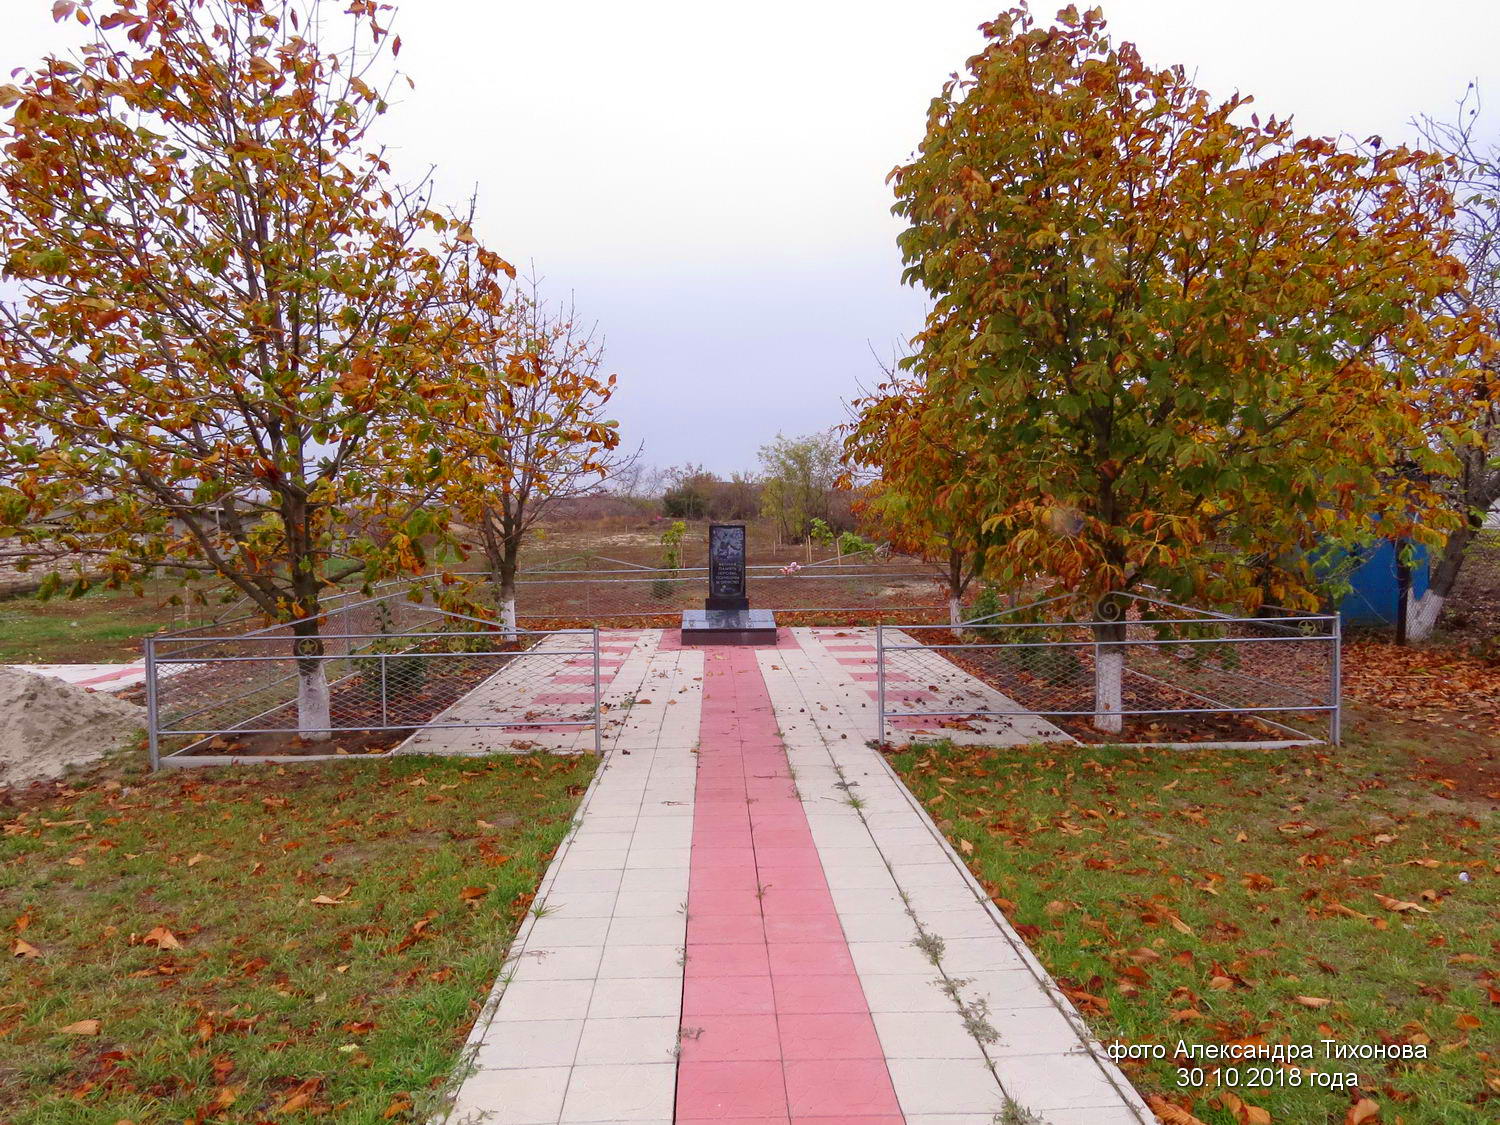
(357, 379)
(82, 1027)
(1313, 1001)
(333, 900)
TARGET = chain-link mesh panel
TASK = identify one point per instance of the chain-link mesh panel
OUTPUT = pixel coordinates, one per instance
(380, 664)
(1183, 676)
(618, 597)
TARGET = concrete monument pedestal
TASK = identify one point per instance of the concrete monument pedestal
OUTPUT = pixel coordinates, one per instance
(726, 617)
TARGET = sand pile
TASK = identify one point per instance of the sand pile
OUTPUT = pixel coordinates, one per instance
(47, 725)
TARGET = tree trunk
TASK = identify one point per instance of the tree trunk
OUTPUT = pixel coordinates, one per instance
(508, 604)
(1422, 613)
(314, 713)
(1109, 678)
(955, 610)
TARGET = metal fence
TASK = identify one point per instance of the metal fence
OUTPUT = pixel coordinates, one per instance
(390, 664)
(1189, 674)
(637, 594)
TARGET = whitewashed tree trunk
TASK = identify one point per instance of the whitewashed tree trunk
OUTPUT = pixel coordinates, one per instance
(1109, 676)
(955, 611)
(313, 713)
(1109, 679)
(1422, 614)
(508, 616)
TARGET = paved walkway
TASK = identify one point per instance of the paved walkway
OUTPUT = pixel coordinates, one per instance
(754, 921)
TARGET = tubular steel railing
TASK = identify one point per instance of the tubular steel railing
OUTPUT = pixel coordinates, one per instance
(386, 664)
(1260, 674)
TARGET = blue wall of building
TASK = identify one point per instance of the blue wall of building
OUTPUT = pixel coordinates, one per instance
(1372, 601)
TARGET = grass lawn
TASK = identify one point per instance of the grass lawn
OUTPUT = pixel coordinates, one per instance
(265, 944)
(101, 627)
(1285, 896)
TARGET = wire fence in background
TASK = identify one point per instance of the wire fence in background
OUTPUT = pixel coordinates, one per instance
(1164, 672)
(390, 665)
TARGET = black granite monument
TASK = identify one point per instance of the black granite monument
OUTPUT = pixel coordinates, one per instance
(726, 617)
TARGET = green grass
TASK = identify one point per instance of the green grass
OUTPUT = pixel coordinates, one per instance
(1261, 857)
(274, 1004)
(101, 627)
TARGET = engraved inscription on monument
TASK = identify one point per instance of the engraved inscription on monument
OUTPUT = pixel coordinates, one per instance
(726, 567)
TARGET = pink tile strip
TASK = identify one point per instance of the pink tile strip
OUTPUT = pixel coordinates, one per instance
(775, 1026)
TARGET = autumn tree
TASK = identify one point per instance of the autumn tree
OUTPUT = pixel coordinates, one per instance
(1461, 403)
(798, 479)
(918, 491)
(535, 433)
(1178, 336)
(229, 352)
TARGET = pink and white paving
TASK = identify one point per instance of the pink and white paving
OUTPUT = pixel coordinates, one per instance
(754, 921)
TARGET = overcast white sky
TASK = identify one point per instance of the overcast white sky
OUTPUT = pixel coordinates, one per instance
(709, 179)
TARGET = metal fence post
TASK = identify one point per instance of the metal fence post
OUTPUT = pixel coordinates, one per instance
(880, 681)
(153, 744)
(1336, 719)
(385, 710)
(598, 710)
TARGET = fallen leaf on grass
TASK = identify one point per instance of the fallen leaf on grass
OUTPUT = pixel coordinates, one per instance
(336, 900)
(1366, 1109)
(966, 847)
(472, 895)
(1399, 907)
(300, 1098)
(1313, 1001)
(1169, 1113)
(1244, 1112)
(399, 1104)
(82, 1027)
(162, 938)
(24, 949)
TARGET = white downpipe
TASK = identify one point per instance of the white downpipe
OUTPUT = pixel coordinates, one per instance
(312, 704)
(1109, 676)
(1422, 615)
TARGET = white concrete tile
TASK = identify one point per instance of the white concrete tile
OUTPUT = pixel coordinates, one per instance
(1050, 1082)
(558, 964)
(1032, 1031)
(945, 1086)
(1007, 990)
(642, 996)
(872, 958)
(512, 1097)
(670, 929)
(905, 992)
(635, 961)
(966, 956)
(885, 926)
(926, 1035)
(544, 1000)
(631, 1039)
(654, 879)
(579, 904)
(628, 1092)
(530, 1043)
(560, 931)
(651, 904)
